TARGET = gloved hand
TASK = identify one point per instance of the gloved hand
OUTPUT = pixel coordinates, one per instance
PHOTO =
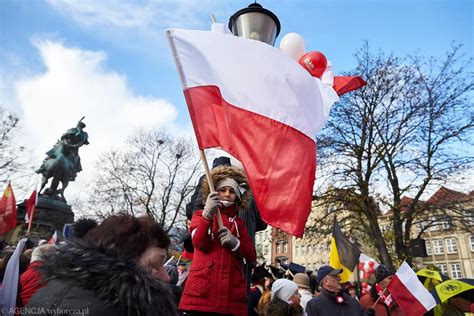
(370, 312)
(212, 204)
(227, 239)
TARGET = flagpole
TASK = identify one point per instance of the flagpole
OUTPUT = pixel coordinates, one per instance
(211, 184)
(380, 296)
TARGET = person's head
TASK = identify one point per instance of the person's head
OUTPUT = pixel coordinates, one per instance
(302, 280)
(141, 239)
(383, 275)
(42, 252)
(232, 185)
(259, 274)
(350, 289)
(328, 278)
(286, 290)
(182, 266)
(82, 226)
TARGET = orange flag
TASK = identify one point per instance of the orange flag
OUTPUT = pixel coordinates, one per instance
(7, 210)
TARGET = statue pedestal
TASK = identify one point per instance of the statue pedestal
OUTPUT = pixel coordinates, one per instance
(50, 214)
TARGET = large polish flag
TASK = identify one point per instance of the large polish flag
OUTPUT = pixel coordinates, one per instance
(409, 293)
(262, 107)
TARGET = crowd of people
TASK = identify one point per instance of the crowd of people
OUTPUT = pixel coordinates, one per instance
(120, 267)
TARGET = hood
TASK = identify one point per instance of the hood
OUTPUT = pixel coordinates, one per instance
(223, 172)
(114, 279)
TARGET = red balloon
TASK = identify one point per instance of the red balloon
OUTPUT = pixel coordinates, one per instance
(371, 263)
(364, 285)
(315, 62)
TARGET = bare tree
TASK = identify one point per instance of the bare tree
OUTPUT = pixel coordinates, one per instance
(12, 162)
(396, 137)
(154, 175)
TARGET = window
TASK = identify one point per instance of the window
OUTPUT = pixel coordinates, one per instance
(443, 268)
(451, 246)
(471, 239)
(434, 224)
(310, 249)
(297, 250)
(278, 248)
(285, 247)
(428, 247)
(302, 251)
(438, 247)
(456, 271)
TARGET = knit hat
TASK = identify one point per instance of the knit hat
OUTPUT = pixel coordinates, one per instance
(283, 289)
(229, 182)
(302, 280)
(382, 272)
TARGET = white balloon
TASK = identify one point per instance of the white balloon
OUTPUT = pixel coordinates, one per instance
(292, 44)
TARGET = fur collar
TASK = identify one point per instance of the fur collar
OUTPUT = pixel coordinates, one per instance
(114, 279)
(238, 175)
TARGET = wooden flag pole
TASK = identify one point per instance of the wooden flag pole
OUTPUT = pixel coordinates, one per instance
(378, 299)
(211, 184)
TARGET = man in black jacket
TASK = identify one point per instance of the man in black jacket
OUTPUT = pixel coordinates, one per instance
(333, 301)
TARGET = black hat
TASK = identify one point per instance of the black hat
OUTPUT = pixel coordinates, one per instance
(296, 268)
(221, 161)
(327, 270)
(260, 272)
(382, 272)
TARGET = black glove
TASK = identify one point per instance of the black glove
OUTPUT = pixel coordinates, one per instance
(370, 312)
(212, 204)
(227, 239)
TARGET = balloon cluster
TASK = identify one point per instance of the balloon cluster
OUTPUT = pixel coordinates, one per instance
(292, 44)
(367, 269)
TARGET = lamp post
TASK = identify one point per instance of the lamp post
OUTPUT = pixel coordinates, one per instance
(255, 22)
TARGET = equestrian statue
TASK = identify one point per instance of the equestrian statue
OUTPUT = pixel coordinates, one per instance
(63, 162)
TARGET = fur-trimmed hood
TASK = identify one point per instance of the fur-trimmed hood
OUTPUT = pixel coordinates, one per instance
(223, 172)
(114, 279)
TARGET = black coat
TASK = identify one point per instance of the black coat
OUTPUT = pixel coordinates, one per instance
(83, 278)
(325, 305)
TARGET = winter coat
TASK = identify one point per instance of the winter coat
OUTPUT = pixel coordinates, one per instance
(326, 305)
(254, 296)
(30, 282)
(381, 309)
(98, 281)
(216, 281)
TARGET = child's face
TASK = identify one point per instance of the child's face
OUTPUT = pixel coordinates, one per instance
(227, 194)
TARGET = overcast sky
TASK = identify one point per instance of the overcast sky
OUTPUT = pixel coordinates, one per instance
(110, 61)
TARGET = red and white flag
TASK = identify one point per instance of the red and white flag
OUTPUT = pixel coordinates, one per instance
(54, 238)
(31, 206)
(409, 293)
(7, 210)
(262, 107)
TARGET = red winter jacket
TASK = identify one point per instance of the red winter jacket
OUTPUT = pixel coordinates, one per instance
(30, 282)
(216, 281)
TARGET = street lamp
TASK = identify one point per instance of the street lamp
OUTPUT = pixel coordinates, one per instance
(255, 22)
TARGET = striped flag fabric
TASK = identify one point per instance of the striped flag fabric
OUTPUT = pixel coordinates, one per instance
(254, 102)
(8, 218)
(409, 293)
(343, 254)
(54, 238)
(31, 207)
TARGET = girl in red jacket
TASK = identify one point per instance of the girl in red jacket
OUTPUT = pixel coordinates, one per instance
(216, 282)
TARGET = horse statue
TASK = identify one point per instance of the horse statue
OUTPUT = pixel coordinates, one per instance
(63, 162)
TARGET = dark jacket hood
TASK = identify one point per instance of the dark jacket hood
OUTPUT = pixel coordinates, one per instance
(114, 279)
(223, 172)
